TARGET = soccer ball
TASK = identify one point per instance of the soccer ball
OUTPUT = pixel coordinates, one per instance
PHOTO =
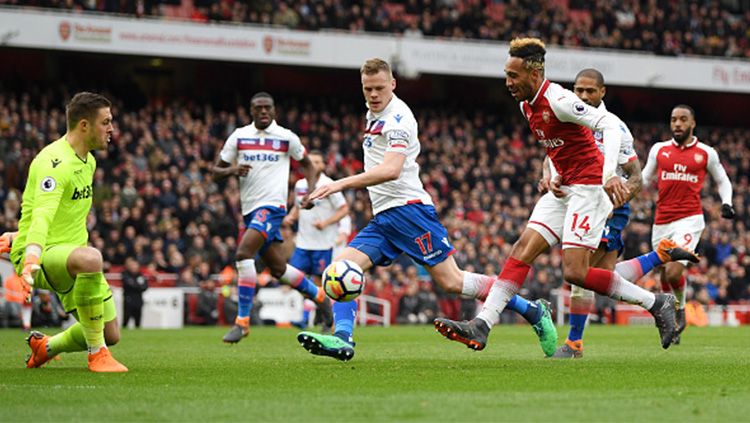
(343, 280)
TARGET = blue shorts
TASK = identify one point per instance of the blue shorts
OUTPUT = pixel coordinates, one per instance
(413, 229)
(311, 262)
(612, 236)
(266, 220)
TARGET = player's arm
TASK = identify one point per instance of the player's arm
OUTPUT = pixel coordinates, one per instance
(223, 168)
(49, 183)
(389, 170)
(569, 109)
(635, 180)
(308, 170)
(649, 171)
(292, 216)
(723, 184)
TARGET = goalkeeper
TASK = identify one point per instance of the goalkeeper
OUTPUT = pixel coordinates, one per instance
(50, 250)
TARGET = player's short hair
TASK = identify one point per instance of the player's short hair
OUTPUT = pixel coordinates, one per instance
(686, 107)
(84, 105)
(593, 74)
(531, 50)
(261, 94)
(373, 66)
(316, 153)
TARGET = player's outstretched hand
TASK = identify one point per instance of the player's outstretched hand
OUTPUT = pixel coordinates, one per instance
(30, 269)
(324, 191)
(6, 241)
(727, 211)
(556, 187)
(617, 190)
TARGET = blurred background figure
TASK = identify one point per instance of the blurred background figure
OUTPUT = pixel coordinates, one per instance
(133, 286)
(17, 310)
(47, 311)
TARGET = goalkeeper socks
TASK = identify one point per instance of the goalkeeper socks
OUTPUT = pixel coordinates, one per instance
(633, 269)
(344, 314)
(248, 278)
(577, 325)
(297, 280)
(69, 340)
(529, 310)
(90, 307)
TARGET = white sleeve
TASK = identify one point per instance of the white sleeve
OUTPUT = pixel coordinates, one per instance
(650, 169)
(297, 186)
(627, 152)
(398, 132)
(229, 151)
(296, 149)
(571, 110)
(345, 225)
(337, 200)
(720, 176)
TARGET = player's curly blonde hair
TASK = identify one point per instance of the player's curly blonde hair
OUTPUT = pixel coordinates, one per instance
(373, 66)
(531, 50)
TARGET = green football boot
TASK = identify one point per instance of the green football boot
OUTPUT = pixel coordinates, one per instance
(328, 345)
(545, 329)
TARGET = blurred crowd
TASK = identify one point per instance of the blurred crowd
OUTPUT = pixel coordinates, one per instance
(697, 27)
(156, 203)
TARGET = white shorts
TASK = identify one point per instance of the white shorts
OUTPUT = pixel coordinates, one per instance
(686, 232)
(577, 220)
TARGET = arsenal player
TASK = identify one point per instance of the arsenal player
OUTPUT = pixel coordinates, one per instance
(679, 166)
(563, 125)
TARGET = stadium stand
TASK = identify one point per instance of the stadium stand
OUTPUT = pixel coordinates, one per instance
(712, 28)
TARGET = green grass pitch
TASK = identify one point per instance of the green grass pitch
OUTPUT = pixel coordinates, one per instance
(398, 374)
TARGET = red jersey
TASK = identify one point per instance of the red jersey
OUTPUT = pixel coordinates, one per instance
(680, 172)
(561, 123)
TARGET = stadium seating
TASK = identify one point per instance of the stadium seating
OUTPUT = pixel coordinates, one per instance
(666, 28)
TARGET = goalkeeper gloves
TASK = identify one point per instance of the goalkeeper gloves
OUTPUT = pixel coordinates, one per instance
(30, 269)
(6, 241)
(727, 211)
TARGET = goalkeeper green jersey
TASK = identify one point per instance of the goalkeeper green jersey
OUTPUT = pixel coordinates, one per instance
(56, 200)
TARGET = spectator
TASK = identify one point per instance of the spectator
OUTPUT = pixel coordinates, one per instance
(208, 301)
(46, 310)
(134, 284)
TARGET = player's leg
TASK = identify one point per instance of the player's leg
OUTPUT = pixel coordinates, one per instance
(340, 345)
(585, 218)
(581, 301)
(543, 230)
(474, 333)
(75, 273)
(251, 242)
(606, 282)
(320, 261)
(273, 257)
(452, 279)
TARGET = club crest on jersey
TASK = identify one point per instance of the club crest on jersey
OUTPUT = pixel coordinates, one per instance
(698, 158)
(545, 116)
